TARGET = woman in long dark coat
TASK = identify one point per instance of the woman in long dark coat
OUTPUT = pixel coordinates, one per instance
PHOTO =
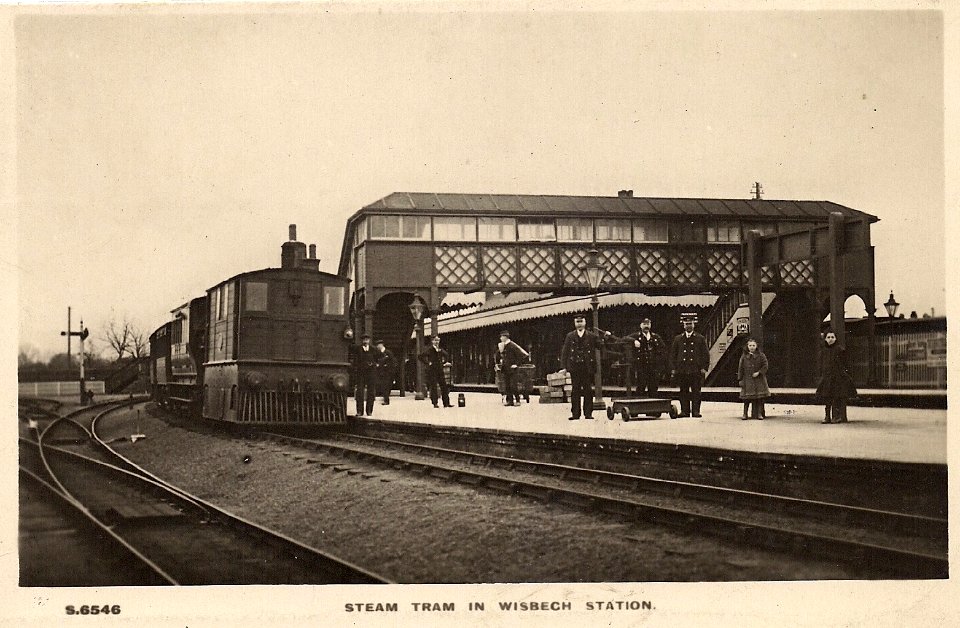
(836, 385)
(752, 373)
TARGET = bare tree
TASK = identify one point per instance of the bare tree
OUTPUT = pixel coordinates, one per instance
(27, 356)
(139, 342)
(117, 335)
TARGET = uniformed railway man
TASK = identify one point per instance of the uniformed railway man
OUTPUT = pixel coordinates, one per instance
(689, 361)
(647, 355)
(578, 356)
(364, 375)
(435, 358)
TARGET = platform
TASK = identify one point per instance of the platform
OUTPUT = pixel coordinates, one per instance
(888, 434)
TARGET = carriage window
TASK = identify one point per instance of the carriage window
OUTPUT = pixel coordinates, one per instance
(333, 300)
(497, 229)
(613, 230)
(574, 230)
(256, 293)
(536, 230)
(650, 231)
(458, 229)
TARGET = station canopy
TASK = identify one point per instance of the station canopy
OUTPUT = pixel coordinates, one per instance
(520, 306)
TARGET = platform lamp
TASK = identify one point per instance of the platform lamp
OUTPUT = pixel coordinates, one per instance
(891, 306)
(594, 272)
(417, 310)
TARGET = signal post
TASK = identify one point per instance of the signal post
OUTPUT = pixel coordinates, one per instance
(83, 332)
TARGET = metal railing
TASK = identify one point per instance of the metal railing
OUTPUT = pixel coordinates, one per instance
(271, 406)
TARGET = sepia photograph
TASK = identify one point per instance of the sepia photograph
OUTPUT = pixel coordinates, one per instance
(486, 313)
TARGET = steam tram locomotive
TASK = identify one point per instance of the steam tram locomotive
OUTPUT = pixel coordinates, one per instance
(263, 348)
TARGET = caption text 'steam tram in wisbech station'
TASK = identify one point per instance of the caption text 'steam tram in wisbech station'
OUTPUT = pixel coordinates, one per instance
(265, 347)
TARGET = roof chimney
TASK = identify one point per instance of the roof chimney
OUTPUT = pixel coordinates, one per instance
(625, 194)
(292, 252)
(313, 251)
(311, 261)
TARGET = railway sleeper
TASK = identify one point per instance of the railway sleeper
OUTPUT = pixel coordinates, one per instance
(444, 474)
(471, 479)
(499, 484)
(542, 493)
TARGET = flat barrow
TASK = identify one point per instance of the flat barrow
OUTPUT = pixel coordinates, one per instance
(641, 409)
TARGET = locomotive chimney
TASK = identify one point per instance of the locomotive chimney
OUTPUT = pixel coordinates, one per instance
(311, 262)
(292, 253)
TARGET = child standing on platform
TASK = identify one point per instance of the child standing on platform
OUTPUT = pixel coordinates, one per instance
(752, 374)
(836, 385)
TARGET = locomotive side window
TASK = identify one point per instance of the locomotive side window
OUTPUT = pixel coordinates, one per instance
(333, 300)
(222, 302)
(256, 296)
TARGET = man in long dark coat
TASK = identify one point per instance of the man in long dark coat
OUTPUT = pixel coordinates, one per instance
(385, 367)
(578, 357)
(434, 358)
(364, 375)
(647, 352)
(689, 362)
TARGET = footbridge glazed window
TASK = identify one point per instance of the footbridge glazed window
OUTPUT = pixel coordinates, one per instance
(457, 229)
(536, 230)
(650, 231)
(400, 227)
(497, 229)
(613, 230)
(723, 232)
(574, 229)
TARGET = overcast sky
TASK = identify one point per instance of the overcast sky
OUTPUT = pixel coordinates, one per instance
(158, 155)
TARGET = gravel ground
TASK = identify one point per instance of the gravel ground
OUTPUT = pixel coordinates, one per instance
(830, 527)
(415, 529)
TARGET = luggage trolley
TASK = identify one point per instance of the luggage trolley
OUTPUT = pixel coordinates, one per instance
(641, 409)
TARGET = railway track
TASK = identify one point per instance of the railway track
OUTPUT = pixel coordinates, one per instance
(175, 537)
(883, 544)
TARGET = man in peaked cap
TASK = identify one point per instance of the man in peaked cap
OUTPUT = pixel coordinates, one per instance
(364, 360)
(434, 358)
(578, 356)
(689, 362)
(647, 352)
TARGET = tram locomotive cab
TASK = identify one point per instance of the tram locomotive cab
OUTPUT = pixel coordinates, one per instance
(277, 345)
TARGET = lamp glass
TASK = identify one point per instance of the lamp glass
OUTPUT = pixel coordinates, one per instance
(891, 305)
(417, 308)
(593, 269)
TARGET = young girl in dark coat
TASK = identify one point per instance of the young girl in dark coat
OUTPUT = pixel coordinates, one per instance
(752, 374)
(836, 385)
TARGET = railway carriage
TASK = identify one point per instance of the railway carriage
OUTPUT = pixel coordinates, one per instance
(266, 347)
